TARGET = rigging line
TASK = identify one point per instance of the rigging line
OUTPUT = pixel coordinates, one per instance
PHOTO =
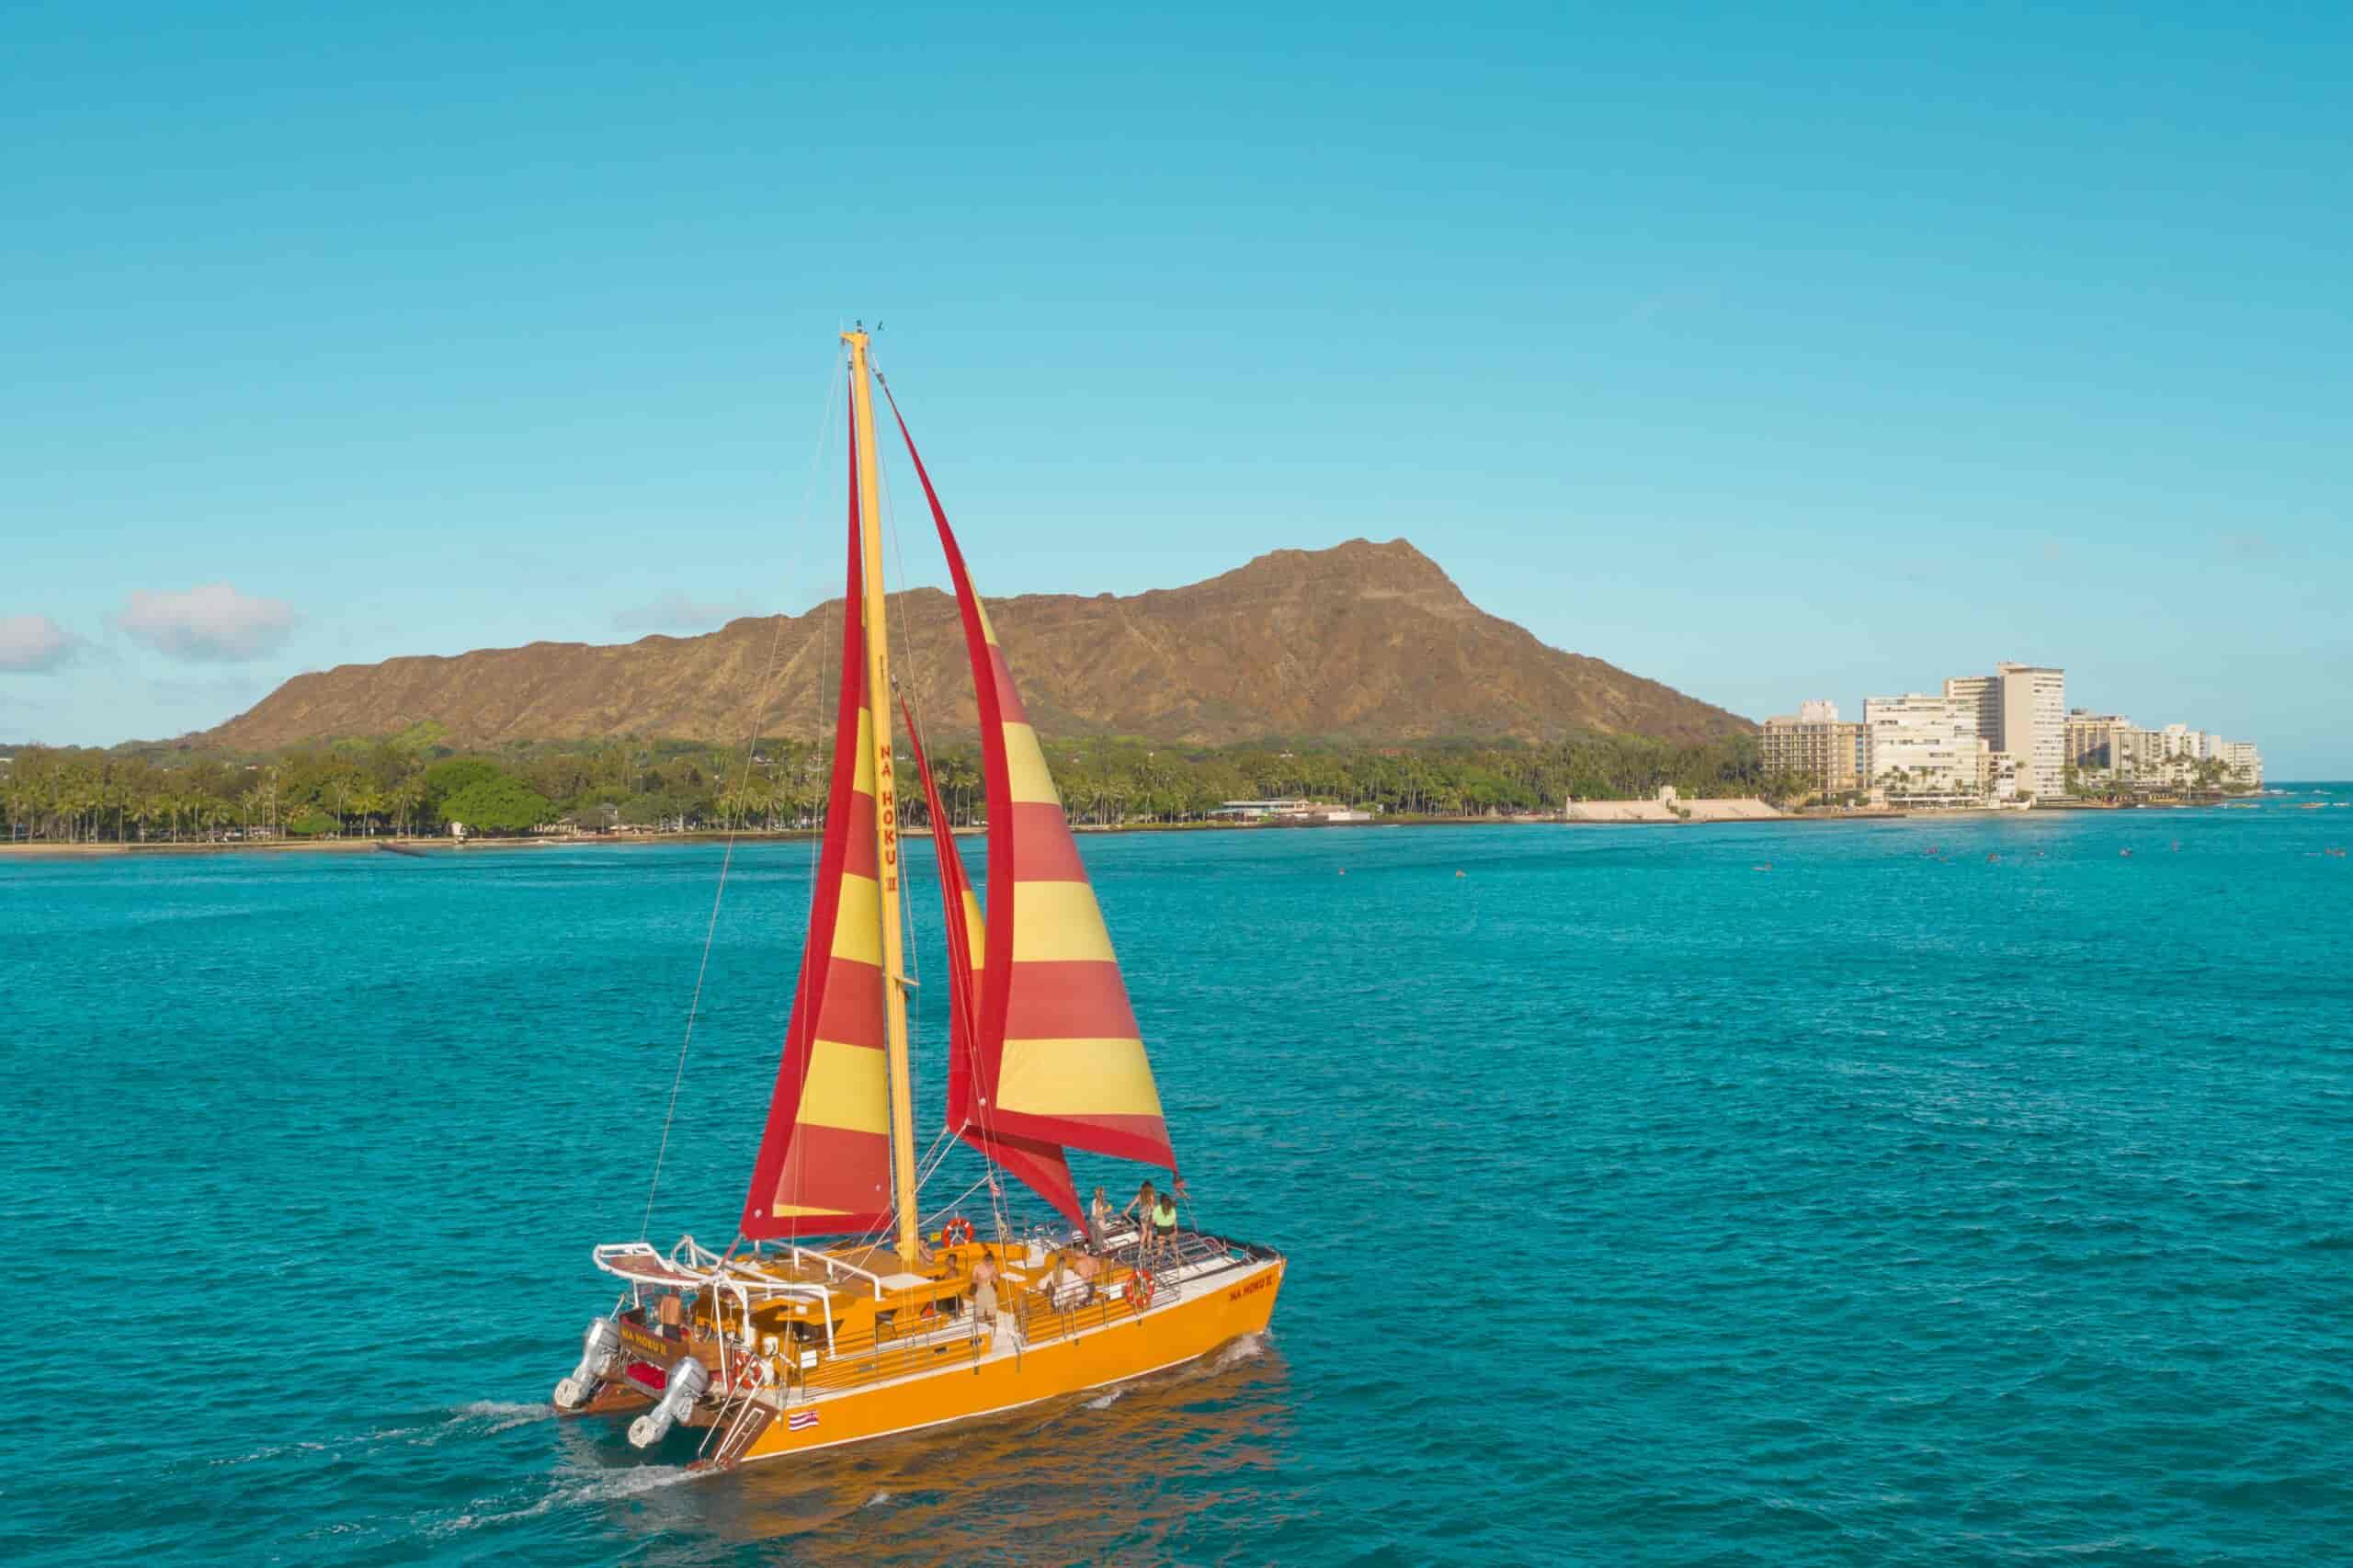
(960, 1197)
(925, 1168)
(727, 861)
(796, 1158)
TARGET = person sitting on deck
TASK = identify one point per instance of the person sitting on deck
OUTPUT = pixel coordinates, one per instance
(1063, 1286)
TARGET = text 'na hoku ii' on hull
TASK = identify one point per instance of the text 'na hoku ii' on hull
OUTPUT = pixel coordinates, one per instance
(837, 1315)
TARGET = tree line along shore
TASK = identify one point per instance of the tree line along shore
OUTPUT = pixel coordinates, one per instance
(415, 785)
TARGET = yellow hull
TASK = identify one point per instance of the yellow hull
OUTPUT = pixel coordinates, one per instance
(1130, 1346)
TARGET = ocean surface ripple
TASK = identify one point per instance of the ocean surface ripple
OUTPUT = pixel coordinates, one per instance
(1951, 1192)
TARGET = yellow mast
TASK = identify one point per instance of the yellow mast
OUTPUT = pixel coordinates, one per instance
(886, 811)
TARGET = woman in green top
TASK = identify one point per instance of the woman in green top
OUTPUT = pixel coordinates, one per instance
(1163, 1224)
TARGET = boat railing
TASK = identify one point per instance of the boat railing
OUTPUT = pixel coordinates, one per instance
(1045, 1313)
(1042, 1317)
(875, 1358)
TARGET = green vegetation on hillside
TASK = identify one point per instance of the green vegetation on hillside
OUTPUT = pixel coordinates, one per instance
(412, 784)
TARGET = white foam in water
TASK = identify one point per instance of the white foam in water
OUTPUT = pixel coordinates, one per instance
(1105, 1400)
(502, 1414)
(605, 1488)
(1249, 1347)
(877, 1499)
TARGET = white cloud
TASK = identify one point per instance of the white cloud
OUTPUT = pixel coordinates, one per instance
(676, 612)
(211, 624)
(34, 644)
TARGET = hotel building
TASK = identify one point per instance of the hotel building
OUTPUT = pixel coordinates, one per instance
(1926, 748)
(2021, 710)
(1815, 746)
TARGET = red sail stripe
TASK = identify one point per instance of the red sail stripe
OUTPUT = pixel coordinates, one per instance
(814, 1167)
(1041, 852)
(1139, 1138)
(1070, 999)
(860, 861)
(1010, 710)
(846, 1170)
(853, 1014)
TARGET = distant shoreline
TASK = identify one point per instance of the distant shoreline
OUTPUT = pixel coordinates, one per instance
(439, 847)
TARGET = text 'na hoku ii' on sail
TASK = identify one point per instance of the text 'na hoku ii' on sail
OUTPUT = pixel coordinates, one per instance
(845, 1308)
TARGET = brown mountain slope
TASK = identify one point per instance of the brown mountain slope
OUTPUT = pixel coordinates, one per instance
(1363, 640)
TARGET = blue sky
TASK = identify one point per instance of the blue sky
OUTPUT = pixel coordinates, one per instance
(1772, 352)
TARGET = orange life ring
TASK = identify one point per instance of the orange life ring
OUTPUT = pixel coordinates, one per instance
(956, 1232)
(1145, 1287)
(749, 1373)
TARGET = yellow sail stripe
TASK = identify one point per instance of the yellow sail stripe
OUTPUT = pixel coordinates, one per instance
(1076, 1077)
(1029, 780)
(845, 1088)
(977, 931)
(858, 927)
(863, 779)
(1058, 922)
(988, 632)
(803, 1212)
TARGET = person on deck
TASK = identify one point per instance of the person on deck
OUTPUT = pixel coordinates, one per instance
(1142, 1209)
(985, 1307)
(1163, 1225)
(1098, 1220)
(1063, 1287)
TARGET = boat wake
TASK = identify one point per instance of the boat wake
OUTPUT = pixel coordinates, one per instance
(482, 1418)
(1105, 1400)
(498, 1415)
(610, 1488)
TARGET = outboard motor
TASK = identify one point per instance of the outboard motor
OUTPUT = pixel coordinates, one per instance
(598, 1349)
(688, 1378)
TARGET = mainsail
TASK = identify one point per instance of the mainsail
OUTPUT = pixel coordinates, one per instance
(824, 1162)
(1058, 1056)
(1041, 1165)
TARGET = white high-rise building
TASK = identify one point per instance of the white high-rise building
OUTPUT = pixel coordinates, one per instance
(1817, 711)
(2181, 741)
(1924, 748)
(2021, 710)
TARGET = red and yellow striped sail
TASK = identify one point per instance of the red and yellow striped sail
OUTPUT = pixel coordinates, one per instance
(1041, 1165)
(1058, 1057)
(824, 1162)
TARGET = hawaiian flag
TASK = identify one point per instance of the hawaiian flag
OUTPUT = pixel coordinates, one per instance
(799, 1420)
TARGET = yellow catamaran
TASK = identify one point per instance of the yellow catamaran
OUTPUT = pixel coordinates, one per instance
(811, 1330)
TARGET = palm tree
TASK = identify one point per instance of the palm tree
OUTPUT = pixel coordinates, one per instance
(404, 800)
(368, 799)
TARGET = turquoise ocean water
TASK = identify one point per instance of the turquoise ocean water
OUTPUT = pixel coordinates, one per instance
(1899, 1204)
